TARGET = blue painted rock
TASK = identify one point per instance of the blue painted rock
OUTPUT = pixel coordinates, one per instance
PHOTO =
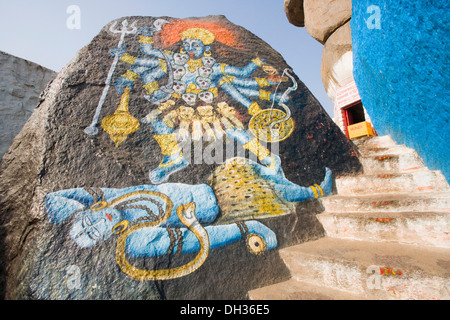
(405, 63)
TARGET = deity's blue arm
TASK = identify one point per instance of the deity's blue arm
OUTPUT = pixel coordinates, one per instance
(261, 94)
(158, 125)
(231, 90)
(149, 242)
(243, 72)
(148, 70)
(253, 82)
(148, 50)
(146, 47)
(62, 204)
(232, 81)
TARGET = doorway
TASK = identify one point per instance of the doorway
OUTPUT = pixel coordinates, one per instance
(354, 114)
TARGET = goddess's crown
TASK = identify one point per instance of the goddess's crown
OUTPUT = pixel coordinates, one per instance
(206, 36)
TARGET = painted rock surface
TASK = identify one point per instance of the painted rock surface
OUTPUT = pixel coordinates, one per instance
(170, 159)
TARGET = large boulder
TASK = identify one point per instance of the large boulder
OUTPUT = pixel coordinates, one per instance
(337, 61)
(294, 12)
(327, 21)
(21, 83)
(180, 180)
(323, 17)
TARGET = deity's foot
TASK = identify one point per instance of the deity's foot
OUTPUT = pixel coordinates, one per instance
(327, 183)
(295, 193)
(165, 169)
(322, 190)
(273, 162)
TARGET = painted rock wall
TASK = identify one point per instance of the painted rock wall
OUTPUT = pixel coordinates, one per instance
(21, 84)
(401, 70)
(170, 159)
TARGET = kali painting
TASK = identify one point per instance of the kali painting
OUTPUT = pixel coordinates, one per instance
(193, 94)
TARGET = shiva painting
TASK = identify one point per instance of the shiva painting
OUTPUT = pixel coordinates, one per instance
(146, 222)
(151, 220)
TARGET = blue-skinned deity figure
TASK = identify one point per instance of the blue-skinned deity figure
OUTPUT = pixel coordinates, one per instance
(170, 218)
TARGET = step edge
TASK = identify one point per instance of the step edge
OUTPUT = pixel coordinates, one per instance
(420, 278)
(297, 283)
(409, 195)
(438, 251)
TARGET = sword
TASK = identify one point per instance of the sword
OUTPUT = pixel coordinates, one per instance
(92, 129)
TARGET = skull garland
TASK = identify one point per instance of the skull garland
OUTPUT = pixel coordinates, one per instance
(190, 86)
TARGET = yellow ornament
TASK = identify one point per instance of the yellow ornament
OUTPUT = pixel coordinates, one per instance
(268, 125)
(120, 124)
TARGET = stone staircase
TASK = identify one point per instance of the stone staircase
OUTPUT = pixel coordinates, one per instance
(387, 234)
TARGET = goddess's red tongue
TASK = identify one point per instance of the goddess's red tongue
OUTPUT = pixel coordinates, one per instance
(109, 217)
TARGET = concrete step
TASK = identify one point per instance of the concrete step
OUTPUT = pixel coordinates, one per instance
(372, 270)
(418, 181)
(374, 142)
(414, 228)
(390, 161)
(299, 290)
(394, 149)
(398, 202)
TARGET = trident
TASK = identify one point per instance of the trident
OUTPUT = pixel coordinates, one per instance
(92, 129)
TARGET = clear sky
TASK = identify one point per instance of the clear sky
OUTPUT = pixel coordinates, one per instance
(36, 30)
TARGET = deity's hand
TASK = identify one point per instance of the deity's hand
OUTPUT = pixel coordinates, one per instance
(162, 95)
(118, 51)
(159, 96)
(121, 83)
(275, 78)
(273, 75)
(259, 62)
(146, 31)
(269, 69)
(151, 117)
